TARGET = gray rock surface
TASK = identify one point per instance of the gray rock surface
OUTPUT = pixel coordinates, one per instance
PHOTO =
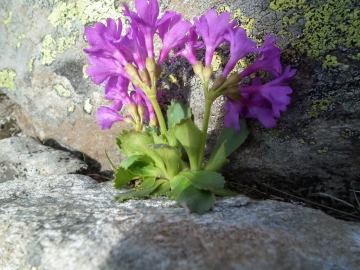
(24, 157)
(72, 222)
(316, 146)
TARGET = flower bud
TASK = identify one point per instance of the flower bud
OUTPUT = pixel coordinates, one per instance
(141, 111)
(233, 79)
(218, 82)
(129, 120)
(132, 109)
(133, 74)
(153, 122)
(144, 75)
(233, 92)
(207, 73)
(198, 69)
(150, 65)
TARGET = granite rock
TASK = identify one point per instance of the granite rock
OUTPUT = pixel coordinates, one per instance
(24, 157)
(72, 222)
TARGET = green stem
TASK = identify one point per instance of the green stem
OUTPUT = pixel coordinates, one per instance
(159, 114)
(156, 106)
(208, 103)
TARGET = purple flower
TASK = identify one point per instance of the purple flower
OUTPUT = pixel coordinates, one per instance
(212, 29)
(104, 41)
(107, 117)
(268, 59)
(145, 20)
(190, 45)
(102, 68)
(117, 89)
(172, 31)
(240, 46)
(234, 109)
(273, 91)
(134, 43)
(261, 101)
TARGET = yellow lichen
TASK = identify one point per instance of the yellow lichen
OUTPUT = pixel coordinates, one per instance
(276, 132)
(84, 71)
(172, 79)
(48, 50)
(346, 133)
(8, 19)
(324, 150)
(30, 64)
(7, 79)
(65, 43)
(71, 107)
(330, 61)
(322, 105)
(216, 61)
(223, 9)
(62, 91)
(329, 24)
(66, 14)
(88, 106)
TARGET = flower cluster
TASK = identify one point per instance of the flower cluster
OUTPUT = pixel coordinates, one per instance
(123, 60)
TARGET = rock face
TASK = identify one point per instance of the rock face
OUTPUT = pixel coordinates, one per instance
(315, 147)
(72, 222)
(24, 157)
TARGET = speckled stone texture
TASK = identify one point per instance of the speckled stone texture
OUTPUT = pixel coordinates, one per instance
(72, 222)
(316, 146)
(24, 157)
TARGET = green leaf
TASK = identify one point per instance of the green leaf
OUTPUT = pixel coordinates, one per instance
(152, 130)
(172, 141)
(205, 180)
(132, 142)
(176, 112)
(148, 182)
(162, 189)
(137, 143)
(178, 184)
(232, 137)
(136, 193)
(198, 201)
(144, 169)
(171, 157)
(160, 139)
(189, 135)
(217, 160)
(122, 177)
(224, 193)
(127, 162)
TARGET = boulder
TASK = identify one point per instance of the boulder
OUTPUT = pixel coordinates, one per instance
(314, 149)
(73, 222)
(24, 157)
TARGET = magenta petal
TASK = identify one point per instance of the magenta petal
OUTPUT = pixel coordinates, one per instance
(212, 29)
(117, 88)
(268, 59)
(102, 68)
(240, 46)
(174, 38)
(232, 117)
(116, 105)
(107, 117)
